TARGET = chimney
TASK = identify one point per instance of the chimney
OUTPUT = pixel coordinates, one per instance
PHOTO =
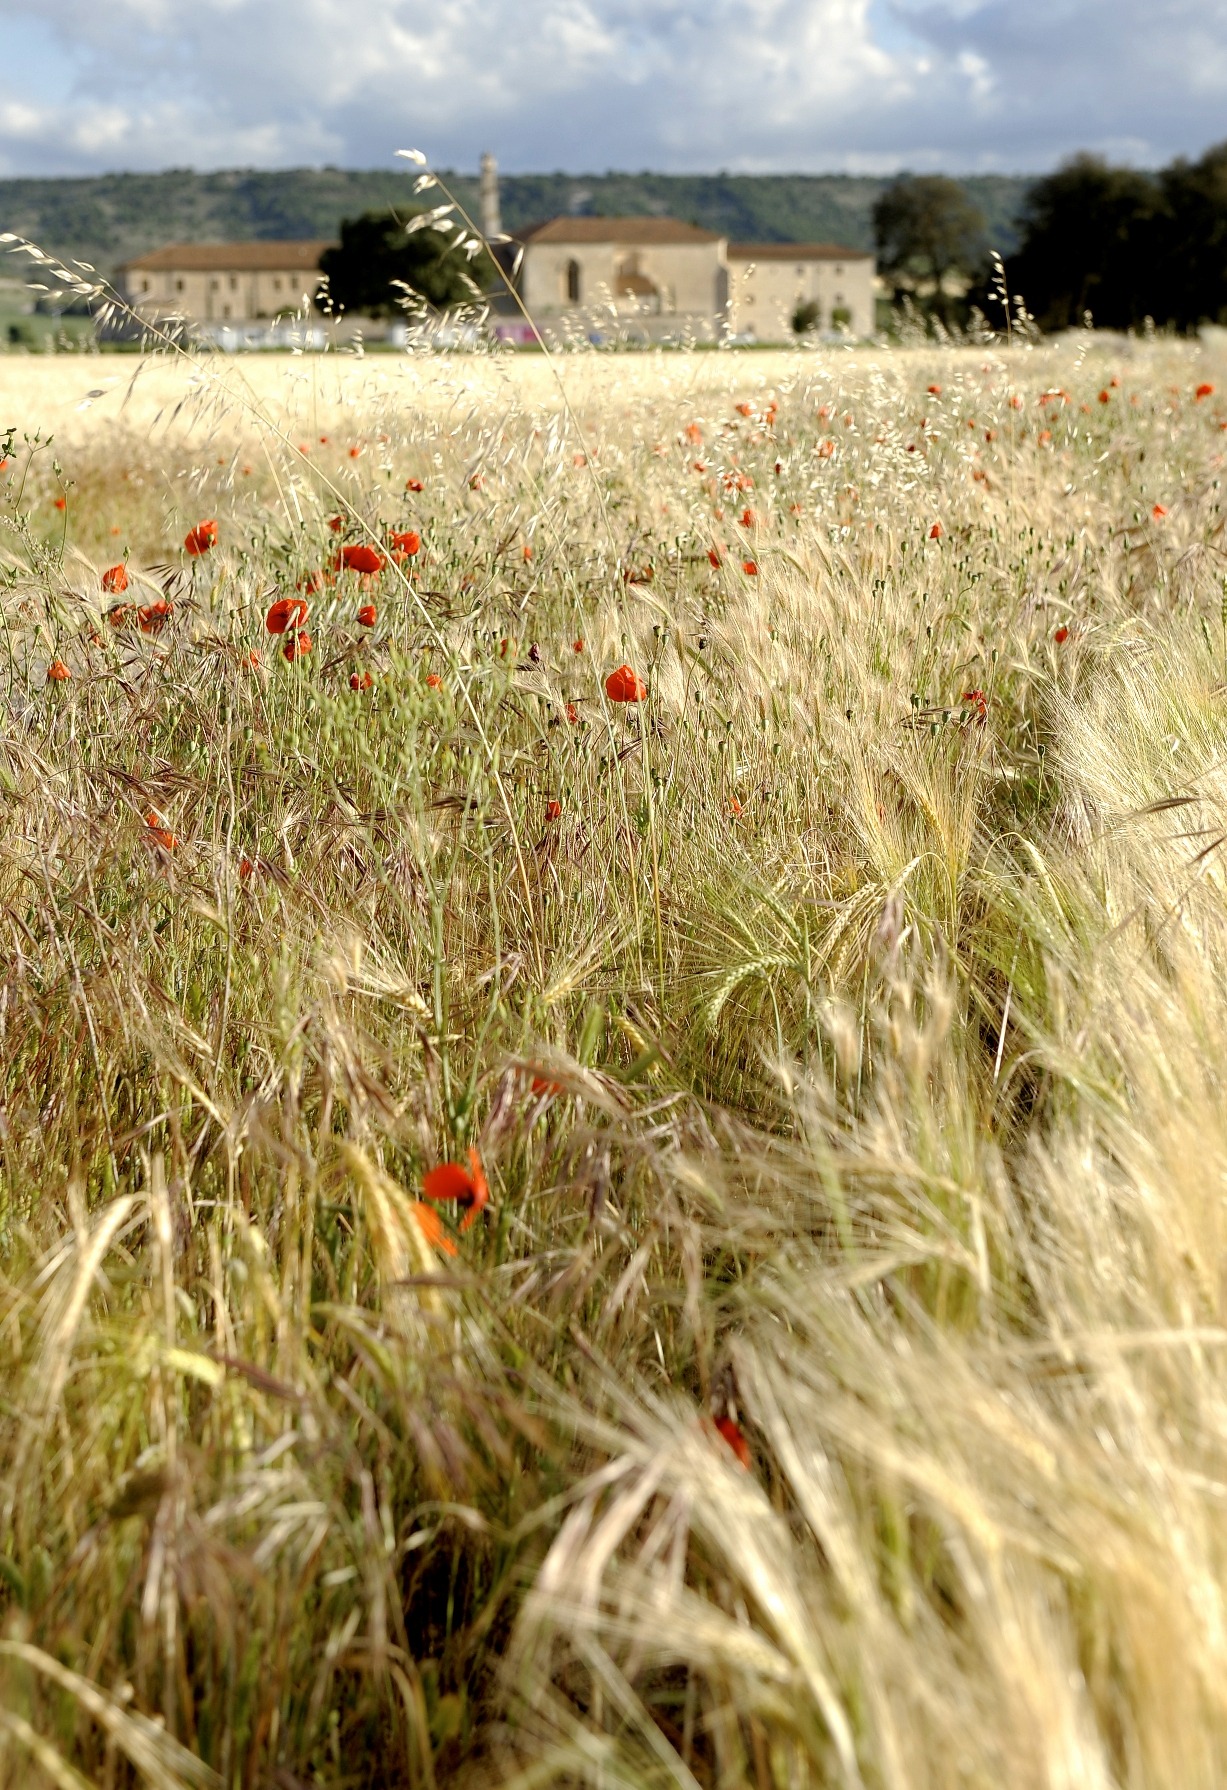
(491, 222)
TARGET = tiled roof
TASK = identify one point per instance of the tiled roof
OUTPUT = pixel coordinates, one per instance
(642, 232)
(795, 251)
(231, 257)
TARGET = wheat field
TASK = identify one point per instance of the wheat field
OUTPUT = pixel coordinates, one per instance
(812, 1369)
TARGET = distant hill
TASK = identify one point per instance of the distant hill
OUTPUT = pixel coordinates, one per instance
(107, 218)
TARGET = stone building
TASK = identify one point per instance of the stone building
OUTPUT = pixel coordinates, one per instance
(668, 277)
(770, 281)
(643, 267)
(226, 283)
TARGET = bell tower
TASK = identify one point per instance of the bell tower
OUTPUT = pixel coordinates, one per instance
(491, 221)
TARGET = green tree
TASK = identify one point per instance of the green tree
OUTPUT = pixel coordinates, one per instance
(1091, 241)
(928, 232)
(1193, 239)
(378, 256)
(806, 317)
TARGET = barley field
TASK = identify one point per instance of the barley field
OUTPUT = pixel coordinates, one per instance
(613, 998)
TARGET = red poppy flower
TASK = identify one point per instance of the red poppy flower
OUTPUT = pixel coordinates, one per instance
(730, 1433)
(253, 659)
(298, 646)
(452, 1181)
(311, 583)
(715, 558)
(749, 518)
(572, 714)
(744, 409)
(1045, 438)
(734, 807)
(118, 614)
(1159, 512)
(623, 686)
(323, 441)
(413, 484)
(934, 391)
(976, 699)
(115, 578)
(553, 810)
(58, 672)
(246, 869)
(577, 646)
(543, 1085)
(198, 540)
(1016, 402)
(431, 1226)
(286, 613)
(1061, 635)
(367, 615)
(336, 524)
(61, 503)
(526, 553)
(1204, 390)
(152, 617)
(936, 532)
(360, 559)
(160, 831)
(360, 680)
(1105, 397)
(693, 432)
(354, 452)
(409, 541)
(434, 681)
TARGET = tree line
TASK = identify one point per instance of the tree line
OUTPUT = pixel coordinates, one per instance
(1120, 245)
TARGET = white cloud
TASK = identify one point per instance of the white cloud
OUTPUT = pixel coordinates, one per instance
(585, 84)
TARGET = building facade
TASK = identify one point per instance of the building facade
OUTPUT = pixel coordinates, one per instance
(670, 277)
(649, 277)
(230, 284)
(769, 282)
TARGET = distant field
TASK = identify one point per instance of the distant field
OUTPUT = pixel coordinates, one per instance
(613, 987)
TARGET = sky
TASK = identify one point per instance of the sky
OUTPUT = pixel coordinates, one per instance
(853, 86)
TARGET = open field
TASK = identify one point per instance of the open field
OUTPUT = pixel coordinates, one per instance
(832, 1388)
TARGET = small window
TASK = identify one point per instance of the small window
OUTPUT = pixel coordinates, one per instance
(839, 270)
(213, 285)
(573, 282)
(145, 284)
(800, 273)
(234, 282)
(276, 282)
(179, 285)
(225, 310)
